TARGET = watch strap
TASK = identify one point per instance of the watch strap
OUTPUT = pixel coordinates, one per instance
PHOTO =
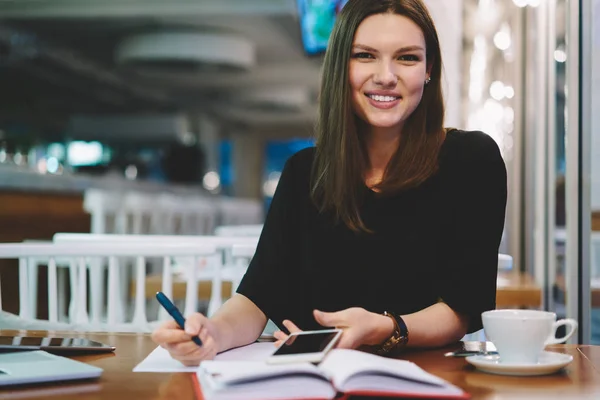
(399, 337)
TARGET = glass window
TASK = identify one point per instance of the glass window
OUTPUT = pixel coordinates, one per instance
(595, 172)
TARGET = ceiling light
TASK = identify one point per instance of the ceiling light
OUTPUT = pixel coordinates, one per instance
(560, 56)
(502, 40)
(497, 90)
(187, 48)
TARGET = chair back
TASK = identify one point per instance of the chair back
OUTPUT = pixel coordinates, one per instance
(79, 259)
(217, 268)
(239, 230)
(103, 207)
(200, 215)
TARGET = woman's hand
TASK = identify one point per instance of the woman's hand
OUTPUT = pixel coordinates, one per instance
(282, 337)
(179, 343)
(360, 327)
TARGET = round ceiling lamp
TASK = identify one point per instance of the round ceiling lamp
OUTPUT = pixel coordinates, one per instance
(289, 97)
(186, 48)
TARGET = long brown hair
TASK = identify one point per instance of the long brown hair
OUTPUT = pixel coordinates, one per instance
(341, 158)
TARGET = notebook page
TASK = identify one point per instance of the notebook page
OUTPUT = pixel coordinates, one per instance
(242, 372)
(161, 361)
(291, 388)
(389, 384)
(342, 364)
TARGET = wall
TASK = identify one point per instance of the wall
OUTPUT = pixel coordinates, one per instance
(447, 15)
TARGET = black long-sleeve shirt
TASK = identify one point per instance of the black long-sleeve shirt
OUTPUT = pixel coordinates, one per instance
(438, 241)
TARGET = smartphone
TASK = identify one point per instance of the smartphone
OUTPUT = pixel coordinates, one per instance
(470, 348)
(52, 344)
(307, 346)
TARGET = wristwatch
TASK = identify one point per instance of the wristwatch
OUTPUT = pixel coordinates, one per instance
(399, 336)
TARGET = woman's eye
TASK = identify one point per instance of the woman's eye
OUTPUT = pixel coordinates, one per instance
(362, 55)
(409, 57)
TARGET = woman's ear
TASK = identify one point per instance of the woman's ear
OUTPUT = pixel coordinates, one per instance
(428, 70)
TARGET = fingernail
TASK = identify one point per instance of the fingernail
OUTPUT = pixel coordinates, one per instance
(191, 330)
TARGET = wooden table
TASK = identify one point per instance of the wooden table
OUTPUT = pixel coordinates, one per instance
(580, 380)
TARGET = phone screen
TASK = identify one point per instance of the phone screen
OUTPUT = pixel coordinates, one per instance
(51, 344)
(306, 343)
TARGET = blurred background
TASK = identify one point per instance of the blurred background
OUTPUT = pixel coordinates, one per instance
(208, 98)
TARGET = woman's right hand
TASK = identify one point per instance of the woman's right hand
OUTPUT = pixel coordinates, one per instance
(281, 336)
(179, 344)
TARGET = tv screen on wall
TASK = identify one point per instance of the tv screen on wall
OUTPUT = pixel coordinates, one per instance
(316, 22)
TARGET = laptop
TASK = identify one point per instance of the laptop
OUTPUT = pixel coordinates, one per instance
(38, 366)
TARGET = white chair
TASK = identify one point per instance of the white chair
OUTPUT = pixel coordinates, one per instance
(133, 212)
(200, 215)
(172, 213)
(215, 270)
(79, 257)
(138, 214)
(239, 230)
(241, 255)
(103, 207)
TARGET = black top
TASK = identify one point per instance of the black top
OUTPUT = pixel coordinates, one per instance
(437, 241)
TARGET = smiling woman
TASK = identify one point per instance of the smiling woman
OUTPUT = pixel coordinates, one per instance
(389, 228)
(390, 48)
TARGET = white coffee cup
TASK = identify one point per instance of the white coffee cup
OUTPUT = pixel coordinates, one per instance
(521, 335)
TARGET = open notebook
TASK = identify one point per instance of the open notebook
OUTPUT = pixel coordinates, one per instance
(342, 371)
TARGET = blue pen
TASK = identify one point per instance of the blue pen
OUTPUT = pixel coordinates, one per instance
(175, 313)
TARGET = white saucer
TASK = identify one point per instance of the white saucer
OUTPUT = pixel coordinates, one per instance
(548, 363)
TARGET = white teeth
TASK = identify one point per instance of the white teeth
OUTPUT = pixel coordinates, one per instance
(382, 98)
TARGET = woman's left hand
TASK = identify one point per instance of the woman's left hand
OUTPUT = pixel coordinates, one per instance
(360, 327)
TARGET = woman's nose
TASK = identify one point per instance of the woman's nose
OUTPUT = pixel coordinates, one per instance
(385, 75)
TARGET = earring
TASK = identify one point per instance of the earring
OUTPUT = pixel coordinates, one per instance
(427, 80)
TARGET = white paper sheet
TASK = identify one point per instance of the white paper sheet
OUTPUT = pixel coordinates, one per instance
(160, 360)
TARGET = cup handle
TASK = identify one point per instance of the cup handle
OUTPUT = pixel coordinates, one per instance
(567, 321)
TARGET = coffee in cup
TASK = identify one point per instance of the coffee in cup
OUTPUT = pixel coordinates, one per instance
(521, 335)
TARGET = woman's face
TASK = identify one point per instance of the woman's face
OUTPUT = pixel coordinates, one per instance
(387, 70)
